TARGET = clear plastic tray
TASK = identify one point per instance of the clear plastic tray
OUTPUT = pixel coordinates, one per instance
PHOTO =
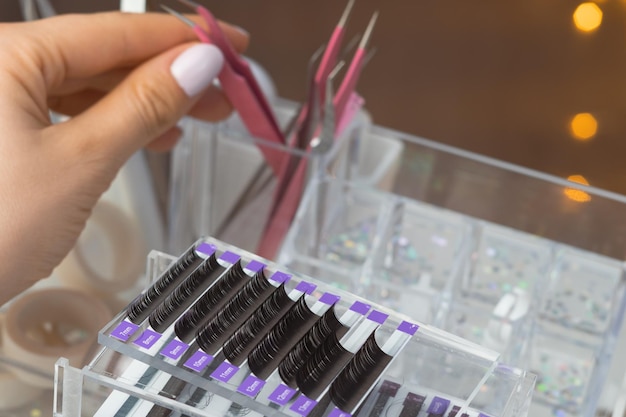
(521, 262)
(432, 364)
(222, 186)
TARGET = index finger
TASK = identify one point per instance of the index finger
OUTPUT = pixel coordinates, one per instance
(77, 46)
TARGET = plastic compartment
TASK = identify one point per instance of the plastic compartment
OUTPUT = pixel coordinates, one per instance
(390, 250)
(394, 251)
(536, 261)
(496, 300)
(222, 186)
(444, 369)
(415, 260)
(505, 261)
(576, 330)
(379, 160)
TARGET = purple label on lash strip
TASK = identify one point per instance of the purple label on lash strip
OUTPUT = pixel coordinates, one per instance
(124, 331)
(483, 415)
(438, 406)
(224, 372)
(280, 277)
(408, 328)
(198, 361)
(303, 405)
(377, 316)
(174, 349)
(328, 298)
(205, 249)
(255, 266)
(251, 386)
(338, 413)
(306, 287)
(230, 257)
(282, 395)
(361, 308)
(147, 339)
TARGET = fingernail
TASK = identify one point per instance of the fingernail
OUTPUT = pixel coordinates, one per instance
(241, 30)
(197, 67)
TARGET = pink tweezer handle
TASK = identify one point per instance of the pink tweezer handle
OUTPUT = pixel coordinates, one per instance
(328, 61)
(348, 85)
(353, 106)
(252, 114)
(243, 99)
(280, 221)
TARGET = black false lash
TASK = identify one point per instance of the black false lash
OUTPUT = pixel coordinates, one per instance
(211, 336)
(184, 295)
(210, 303)
(138, 310)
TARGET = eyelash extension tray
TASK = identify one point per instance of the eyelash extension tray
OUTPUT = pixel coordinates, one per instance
(222, 332)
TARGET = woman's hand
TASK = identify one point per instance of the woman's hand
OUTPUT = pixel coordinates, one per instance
(126, 79)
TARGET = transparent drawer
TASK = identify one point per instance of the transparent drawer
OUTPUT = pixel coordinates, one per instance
(141, 371)
(223, 182)
(491, 252)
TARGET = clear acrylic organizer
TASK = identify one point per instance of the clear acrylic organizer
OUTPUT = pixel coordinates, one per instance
(446, 373)
(222, 186)
(520, 262)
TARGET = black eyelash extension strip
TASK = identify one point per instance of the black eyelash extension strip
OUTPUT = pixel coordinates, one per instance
(311, 341)
(266, 356)
(224, 285)
(238, 346)
(333, 355)
(359, 376)
(211, 302)
(270, 312)
(184, 295)
(172, 389)
(139, 309)
(174, 386)
(412, 405)
(454, 411)
(307, 345)
(211, 336)
(388, 389)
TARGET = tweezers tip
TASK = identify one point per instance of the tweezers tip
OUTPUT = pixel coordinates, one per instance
(315, 57)
(374, 18)
(369, 56)
(368, 32)
(346, 13)
(336, 70)
(176, 14)
(189, 3)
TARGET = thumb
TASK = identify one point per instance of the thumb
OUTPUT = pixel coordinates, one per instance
(147, 103)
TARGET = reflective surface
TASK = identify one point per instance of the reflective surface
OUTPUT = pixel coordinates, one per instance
(499, 78)
(503, 79)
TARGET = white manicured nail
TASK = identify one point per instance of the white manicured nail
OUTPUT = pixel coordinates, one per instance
(197, 67)
(241, 30)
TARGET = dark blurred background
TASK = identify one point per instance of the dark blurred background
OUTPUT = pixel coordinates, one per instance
(504, 79)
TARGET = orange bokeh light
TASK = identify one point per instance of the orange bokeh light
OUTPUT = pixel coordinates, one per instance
(583, 126)
(587, 17)
(576, 194)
